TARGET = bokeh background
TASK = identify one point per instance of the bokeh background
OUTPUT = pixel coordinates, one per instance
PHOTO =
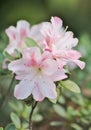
(76, 14)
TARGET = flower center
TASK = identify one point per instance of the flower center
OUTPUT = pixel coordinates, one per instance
(39, 69)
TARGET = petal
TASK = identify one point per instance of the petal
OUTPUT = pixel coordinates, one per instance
(44, 87)
(17, 66)
(11, 32)
(59, 75)
(47, 88)
(11, 47)
(81, 64)
(56, 20)
(72, 54)
(57, 24)
(28, 74)
(49, 66)
(23, 89)
(23, 28)
(37, 95)
(33, 55)
(35, 33)
(66, 41)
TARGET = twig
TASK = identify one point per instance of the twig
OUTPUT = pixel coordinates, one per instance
(31, 113)
(7, 93)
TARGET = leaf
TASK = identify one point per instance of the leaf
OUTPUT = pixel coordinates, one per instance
(15, 120)
(60, 110)
(56, 123)
(10, 126)
(1, 57)
(7, 55)
(1, 128)
(70, 85)
(76, 126)
(17, 54)
(37, 117)
(30, 42)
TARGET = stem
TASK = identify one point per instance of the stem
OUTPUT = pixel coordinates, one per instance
(7, 93)
(31, 113)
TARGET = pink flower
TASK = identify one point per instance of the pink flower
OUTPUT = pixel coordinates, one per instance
(53, 38)
(37, 73)
(17, 35)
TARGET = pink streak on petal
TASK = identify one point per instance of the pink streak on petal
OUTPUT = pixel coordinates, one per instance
(33, 55)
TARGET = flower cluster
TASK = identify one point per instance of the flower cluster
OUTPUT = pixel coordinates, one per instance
(43, 61)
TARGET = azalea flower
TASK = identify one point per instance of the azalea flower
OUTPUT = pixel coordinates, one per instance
(37, 73)
(52, 37)
(16, 36)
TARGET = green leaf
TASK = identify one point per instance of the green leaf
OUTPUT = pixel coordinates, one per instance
(7, 55)
(15, 120)
(10, 126)
(76, 126)
(30, 42)
(37, 117)
(17, 54)
(60, 110)
(70, 85)
(56, 123)
(1, 57)
(1, 128)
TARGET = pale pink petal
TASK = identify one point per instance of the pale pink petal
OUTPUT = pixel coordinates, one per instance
(46, 31)
(36, 34)
(49, 66)
(57, 24)
(11, 47)
(56, 21)
(66, 41)
(81, 64)
(28, 74)
(37, 95)
(58, 75)
(47, 88)
(17, 66)
(23, 89)
(72, 54)
(11, 32)
(44, 87)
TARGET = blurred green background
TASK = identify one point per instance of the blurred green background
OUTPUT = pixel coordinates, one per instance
(75, 13)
